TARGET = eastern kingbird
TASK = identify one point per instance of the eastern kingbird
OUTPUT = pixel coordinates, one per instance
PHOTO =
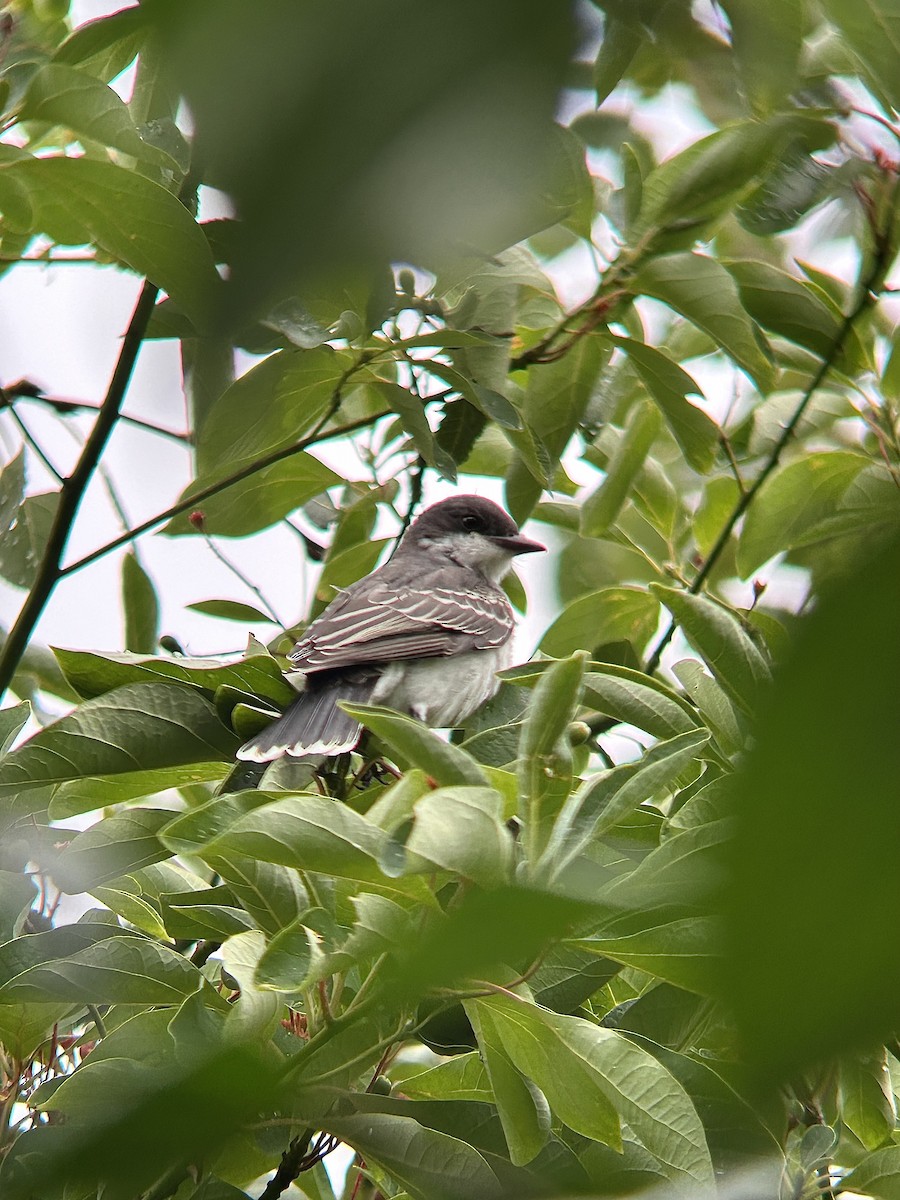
(425, 634)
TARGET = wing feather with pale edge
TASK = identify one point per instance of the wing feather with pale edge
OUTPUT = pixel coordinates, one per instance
(378, 622)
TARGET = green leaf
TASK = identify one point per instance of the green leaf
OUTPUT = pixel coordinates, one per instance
(285, 963)
(701, 290)
(418, 746)
(78, 200)
(429, 1164)
(63, 95)
(622, 38)
(461, 829)
(702, 182)
(637, 700)
(17, 894)
(460, 1078)
(594, 1077)
(126, 901)
(712, 703)
(272, 894)
(93, 674)
(116, 846)
(615, 614)
(141, 727)
(767, 36)
(141, 607)
(92, 791)
(662, 917)
(487, 401)
(602, 506)
(308, 832)
(12, 722)
(23, 544)
(119, 970)
(669, 387)
(867, 1098)
(544, 767)
(256, 502)
(230, 610)
(872, 30)
(607, 797)
(523, 1110)
(411, 411)
(786, 305)
(106, 46)
(268, 408)
(878, 1175)
(792, 501)
(793, 805)
(718, 637)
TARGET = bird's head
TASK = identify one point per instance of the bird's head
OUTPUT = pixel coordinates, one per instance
(473, 532)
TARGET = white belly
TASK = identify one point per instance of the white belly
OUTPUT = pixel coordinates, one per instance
(443, 692)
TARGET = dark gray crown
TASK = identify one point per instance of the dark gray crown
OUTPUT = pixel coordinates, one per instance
(463, 514)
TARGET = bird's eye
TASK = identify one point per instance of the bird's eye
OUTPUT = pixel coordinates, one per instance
(471, 522)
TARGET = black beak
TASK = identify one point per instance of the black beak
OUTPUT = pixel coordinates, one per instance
(518, 544)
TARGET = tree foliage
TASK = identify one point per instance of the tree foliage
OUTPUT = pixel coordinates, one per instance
(629, 930)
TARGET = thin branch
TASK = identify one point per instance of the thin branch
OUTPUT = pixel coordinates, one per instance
(35, 446)
(24, 390)
(72, 492)
(290, 1166)
(865, 298)
(214, 489)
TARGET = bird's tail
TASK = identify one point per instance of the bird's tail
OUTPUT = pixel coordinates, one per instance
(313, 724)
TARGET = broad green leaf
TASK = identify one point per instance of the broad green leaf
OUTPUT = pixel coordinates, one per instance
(23, 953)
(309, 832)
(872, 29)
(256, 502)
(602, 506)
(140, 605)
(616, 614)
(23, 543)
(793, 808)
(126, 901)
(460, 1078)
(77, 200)
(523, 1110)
(669, 387)
(230, 610)
(188, 831)
(663, 917)
(64, 95)
(429, 1164)
(461, 829)
(17, 894)
(92, 674)
(91, 792)
(419, 747)
(702, 182)
(867, 1098)
(140, 727)
(637, 700)
(786, 305)
(712, 703)
(767, 36)
(608, 796)
(878, 1175)
(792, 501)
(271, 894)
(622, 38)
(116, 846)
(106, 46)
(285, 962)
(702, 291)
(206, 913)
(120, 970)
(581, 1068)
(720, 496)
(12, 722)
(718, 637)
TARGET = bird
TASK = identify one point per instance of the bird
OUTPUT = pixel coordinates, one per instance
(424, 634)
